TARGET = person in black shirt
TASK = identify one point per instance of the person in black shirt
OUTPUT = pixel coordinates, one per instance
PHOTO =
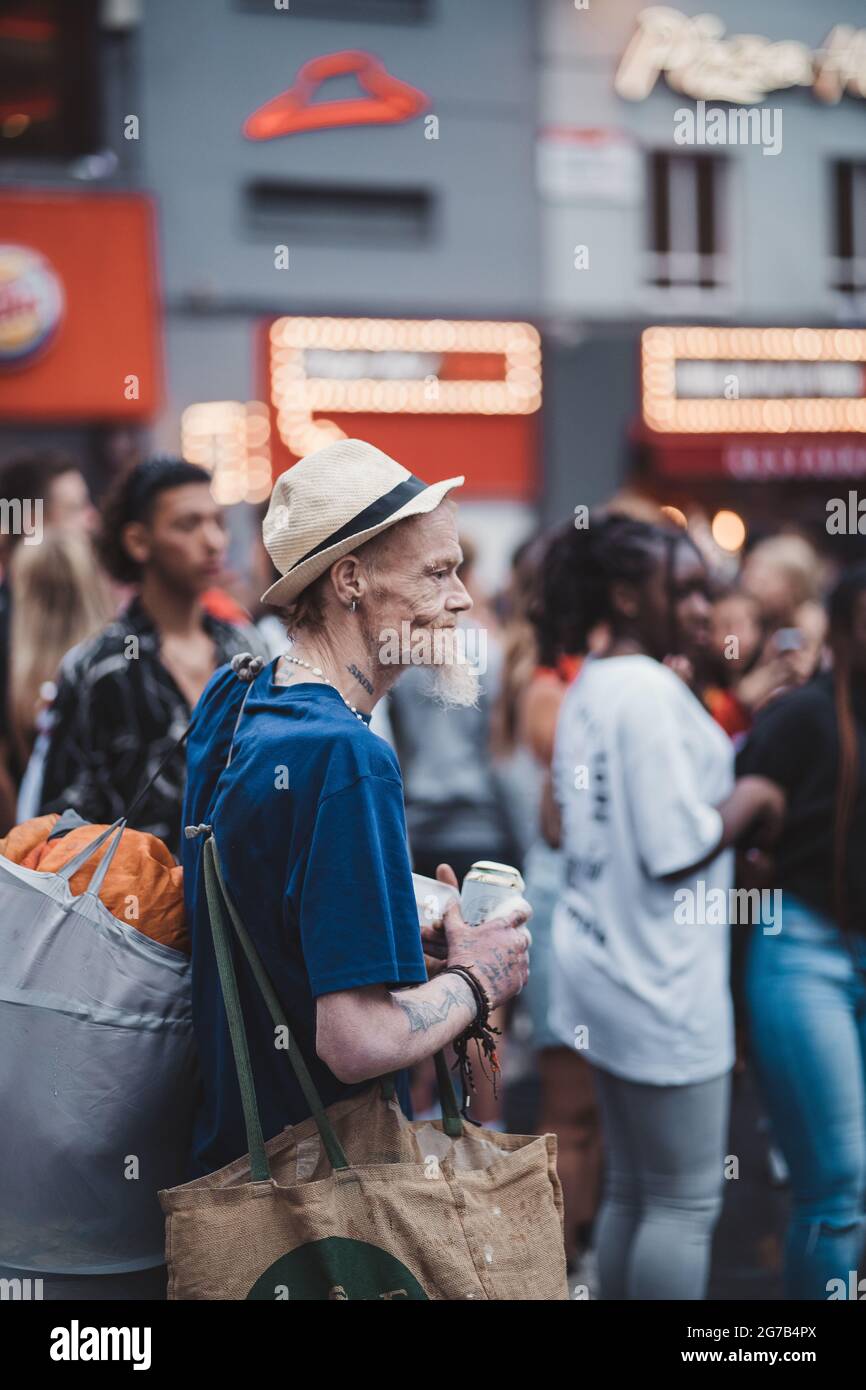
(806, 983)
(125, 696)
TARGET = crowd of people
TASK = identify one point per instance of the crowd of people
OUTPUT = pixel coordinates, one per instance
(664, 753)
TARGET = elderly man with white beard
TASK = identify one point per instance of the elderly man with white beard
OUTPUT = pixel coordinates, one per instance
(306, 806)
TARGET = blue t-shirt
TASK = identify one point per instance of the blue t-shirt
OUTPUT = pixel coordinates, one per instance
(310, 826)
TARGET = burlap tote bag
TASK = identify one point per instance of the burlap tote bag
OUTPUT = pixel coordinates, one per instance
(357, 1202)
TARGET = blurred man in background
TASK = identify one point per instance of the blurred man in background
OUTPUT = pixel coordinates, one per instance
(125, 696)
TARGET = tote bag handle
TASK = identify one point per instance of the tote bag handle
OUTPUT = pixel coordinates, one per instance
(72, 866)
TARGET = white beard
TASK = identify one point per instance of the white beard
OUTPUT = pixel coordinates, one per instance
(454, 683)
(443, 652)
(455, 686)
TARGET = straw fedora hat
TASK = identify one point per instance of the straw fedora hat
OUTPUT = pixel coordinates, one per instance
(331, 502)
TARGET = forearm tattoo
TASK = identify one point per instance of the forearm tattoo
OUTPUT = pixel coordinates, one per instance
(424, 1014)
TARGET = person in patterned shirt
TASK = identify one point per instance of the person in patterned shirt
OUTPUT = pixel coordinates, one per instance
(124, 697)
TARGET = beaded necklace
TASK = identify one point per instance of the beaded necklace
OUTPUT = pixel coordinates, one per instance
(317, 671)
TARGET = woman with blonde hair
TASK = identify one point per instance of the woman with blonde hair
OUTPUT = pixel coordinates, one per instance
(783, 572)
(61, 598)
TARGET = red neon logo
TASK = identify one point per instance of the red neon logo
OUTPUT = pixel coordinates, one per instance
(387, 100)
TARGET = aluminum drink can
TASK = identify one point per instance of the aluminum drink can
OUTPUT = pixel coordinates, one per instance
(485, 887)
(432, 898)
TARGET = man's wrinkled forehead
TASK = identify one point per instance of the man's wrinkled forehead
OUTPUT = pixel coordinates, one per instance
(432, 536)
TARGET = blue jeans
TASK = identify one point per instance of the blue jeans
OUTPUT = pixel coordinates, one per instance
(807, 1016)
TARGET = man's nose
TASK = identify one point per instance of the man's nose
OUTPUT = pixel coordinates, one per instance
(460, 601)
(216, 538)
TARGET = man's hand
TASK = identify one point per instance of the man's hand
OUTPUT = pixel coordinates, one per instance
(433, 936)
(496, 950)
(371, 1030)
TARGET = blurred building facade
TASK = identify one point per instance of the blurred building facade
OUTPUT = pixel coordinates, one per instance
(79, 284)
(430, 218)
(643, 226)
(527, 167)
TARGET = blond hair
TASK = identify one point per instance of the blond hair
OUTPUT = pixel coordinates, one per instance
(796, 559)
(59, 597)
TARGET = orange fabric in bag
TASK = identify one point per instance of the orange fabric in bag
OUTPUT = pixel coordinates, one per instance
(142, 869)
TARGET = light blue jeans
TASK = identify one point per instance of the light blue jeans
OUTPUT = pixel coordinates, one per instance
(807, 1016)
(664, 1173)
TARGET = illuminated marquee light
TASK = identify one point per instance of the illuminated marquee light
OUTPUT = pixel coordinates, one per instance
(661, 348)
(297, 395)
(232, 440)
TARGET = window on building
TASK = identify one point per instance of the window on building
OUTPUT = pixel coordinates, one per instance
(685, 232)
(849, 261)
(339, 213)
(49, 78)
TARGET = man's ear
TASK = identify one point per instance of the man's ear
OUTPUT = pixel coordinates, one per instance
(347, 578)
(624, 599)
(136, 541)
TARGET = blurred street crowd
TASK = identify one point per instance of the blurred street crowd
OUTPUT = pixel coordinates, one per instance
(655, 719)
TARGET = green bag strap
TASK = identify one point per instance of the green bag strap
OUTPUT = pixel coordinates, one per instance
(331, 1143)
(259, 1167)
(452, 1121)
(219, 902)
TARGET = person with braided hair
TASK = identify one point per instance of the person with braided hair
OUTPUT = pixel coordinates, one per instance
(806, 984)
(649, 811)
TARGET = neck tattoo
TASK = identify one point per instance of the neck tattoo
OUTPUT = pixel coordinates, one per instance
(318, 672)
(361, 678)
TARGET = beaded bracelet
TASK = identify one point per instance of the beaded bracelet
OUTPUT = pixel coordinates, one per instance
(482, 1031)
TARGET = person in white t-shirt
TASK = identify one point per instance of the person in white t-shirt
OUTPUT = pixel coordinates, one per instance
(649, 811)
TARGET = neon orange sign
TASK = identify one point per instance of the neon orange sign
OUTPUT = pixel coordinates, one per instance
(387, 101)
